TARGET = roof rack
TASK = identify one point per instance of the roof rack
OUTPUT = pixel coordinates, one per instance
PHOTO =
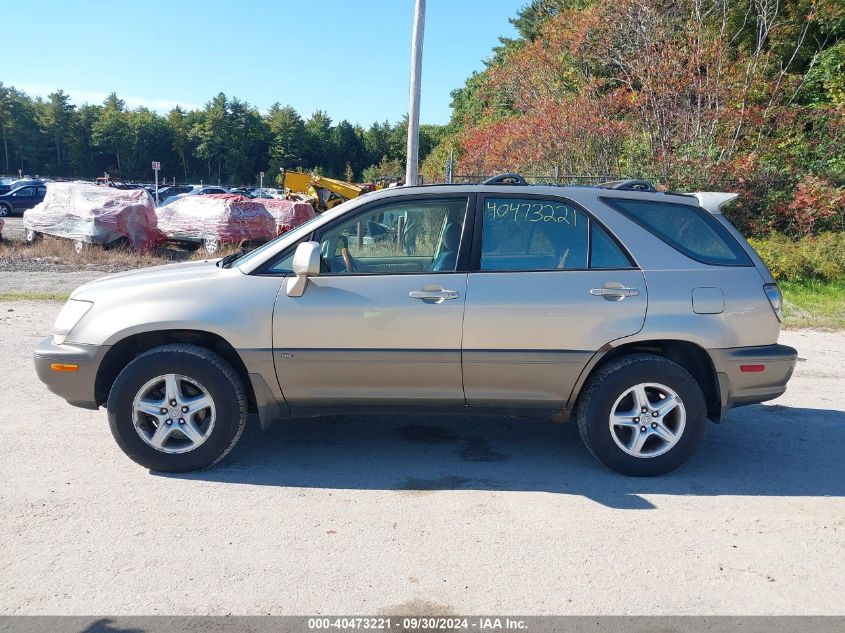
(505, 179)
(634, 184)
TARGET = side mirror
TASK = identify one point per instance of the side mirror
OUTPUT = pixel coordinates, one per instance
(306, 263)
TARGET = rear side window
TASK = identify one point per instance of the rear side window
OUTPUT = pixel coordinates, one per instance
(544, 234)
(532, 234)
(688, 229)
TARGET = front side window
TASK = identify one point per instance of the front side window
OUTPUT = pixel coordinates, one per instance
(24, 192)
(688, 229)
(397, 237)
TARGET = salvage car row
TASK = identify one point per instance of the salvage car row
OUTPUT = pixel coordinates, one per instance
(92, 214)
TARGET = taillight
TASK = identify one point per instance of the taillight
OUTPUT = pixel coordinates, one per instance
(775, 299)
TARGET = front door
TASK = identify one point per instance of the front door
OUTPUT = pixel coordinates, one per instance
(382, 322)
(549, 288)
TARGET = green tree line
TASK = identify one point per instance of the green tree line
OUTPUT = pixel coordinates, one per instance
(228, 140)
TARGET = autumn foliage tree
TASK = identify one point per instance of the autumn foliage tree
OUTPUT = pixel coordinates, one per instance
(693, 93)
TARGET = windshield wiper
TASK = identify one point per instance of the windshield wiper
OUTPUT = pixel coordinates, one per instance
(227, 261)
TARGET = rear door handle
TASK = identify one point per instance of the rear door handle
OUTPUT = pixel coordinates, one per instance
(615, 294)
(434, 296)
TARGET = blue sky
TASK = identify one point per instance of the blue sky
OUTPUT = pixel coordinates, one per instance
(350, 58)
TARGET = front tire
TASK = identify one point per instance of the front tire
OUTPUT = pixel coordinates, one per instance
(642, 415)
(30, 236)
(177, 408)
(5, 210)
(212, 245)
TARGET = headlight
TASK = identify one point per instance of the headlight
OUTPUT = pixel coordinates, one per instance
(776, 299)
(71, 314)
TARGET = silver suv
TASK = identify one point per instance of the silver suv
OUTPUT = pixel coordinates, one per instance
(643, 314)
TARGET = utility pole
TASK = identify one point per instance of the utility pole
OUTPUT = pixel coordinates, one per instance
(413, 154)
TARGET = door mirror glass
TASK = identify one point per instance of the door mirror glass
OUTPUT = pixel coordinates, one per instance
(306, 263)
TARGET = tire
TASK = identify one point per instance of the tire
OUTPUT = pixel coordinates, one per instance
(30, 236)
(5, 210)
(195, 367)
(615, 389)
(212, 245)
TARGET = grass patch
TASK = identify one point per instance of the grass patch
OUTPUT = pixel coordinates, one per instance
(57, 254)
(814, 304)
(34, 296)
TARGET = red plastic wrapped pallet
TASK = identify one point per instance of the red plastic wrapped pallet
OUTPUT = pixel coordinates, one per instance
(288, 213)
(226, 217)
(96, 215)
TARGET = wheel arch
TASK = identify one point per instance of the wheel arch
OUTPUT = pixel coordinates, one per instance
(687, 354)
(128, 348)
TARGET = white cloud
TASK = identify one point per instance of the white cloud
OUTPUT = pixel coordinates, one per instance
(79, 97)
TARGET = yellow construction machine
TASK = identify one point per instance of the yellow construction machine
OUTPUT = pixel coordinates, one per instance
(324, 193)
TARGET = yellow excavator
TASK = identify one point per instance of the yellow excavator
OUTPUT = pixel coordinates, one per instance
(324, 193)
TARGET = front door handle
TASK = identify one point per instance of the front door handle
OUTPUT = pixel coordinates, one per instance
(614, 293)
(434, 296)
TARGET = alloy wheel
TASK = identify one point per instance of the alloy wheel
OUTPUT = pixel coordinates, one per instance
(173, 413)
(647, 420)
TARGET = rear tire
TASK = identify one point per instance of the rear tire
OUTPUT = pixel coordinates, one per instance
(639, 440)
(143, 381)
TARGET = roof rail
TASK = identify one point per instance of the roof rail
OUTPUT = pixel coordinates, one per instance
(634, 184)
(505, 179)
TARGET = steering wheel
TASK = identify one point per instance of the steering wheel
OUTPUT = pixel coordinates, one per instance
(348, 261)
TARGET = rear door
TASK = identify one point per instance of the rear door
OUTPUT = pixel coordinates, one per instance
(548, 287)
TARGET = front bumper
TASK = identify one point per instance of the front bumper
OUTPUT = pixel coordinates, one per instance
(739, 386)
(77, 387)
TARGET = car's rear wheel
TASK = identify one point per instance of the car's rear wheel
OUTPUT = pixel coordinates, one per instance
(642, 415)
(177, 408)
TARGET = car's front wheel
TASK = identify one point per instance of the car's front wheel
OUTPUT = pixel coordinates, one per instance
(211, 244)
(5, 210)
(177, 408)
(642, 415)
(30, 236)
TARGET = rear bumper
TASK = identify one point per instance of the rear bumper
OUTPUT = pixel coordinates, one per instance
(739, 386)
(76, 387)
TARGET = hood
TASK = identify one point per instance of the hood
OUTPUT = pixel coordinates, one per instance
(145, 277)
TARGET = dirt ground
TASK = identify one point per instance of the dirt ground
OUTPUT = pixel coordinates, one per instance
(422, 514)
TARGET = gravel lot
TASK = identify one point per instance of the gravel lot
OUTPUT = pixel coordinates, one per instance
(422, 514)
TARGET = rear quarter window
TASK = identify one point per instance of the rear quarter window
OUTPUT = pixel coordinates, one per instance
(686, 228)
